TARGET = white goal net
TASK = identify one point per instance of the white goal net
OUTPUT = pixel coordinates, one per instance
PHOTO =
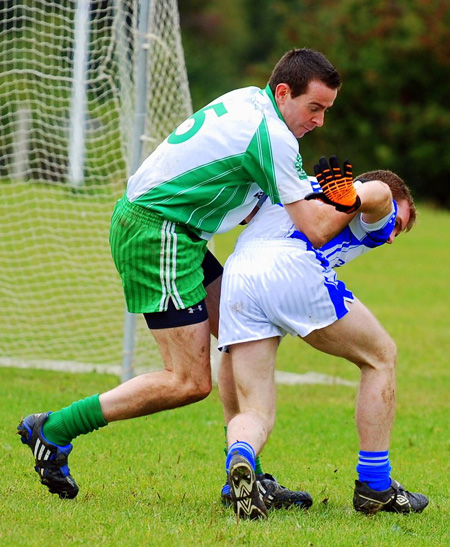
(88, 89)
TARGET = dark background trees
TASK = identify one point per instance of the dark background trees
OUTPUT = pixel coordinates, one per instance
(394, 56)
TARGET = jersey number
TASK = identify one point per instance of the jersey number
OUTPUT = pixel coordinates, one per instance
(193, 124)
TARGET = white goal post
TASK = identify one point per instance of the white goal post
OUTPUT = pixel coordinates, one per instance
(88, 89)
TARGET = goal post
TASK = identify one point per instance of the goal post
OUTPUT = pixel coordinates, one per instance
(88, 89)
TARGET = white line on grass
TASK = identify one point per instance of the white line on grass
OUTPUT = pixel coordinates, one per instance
(287, 378)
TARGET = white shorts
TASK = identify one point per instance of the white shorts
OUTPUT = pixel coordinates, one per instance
(277, 287)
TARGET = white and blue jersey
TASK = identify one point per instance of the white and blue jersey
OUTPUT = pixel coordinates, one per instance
(359, 237)
(273, 222)
(276, 283)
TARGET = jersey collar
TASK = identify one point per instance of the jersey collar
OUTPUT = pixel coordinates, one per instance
(272, 98)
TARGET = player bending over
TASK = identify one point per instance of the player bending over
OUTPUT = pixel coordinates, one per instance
(275, 283)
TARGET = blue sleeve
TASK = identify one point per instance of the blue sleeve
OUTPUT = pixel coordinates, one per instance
(380, 236)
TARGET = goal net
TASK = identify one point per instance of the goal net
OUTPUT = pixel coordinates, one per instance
(88, 89)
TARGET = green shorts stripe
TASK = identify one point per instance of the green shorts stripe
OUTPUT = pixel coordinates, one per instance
(168, 265)
(158, 260)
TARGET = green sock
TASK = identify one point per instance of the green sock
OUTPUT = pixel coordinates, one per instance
(225, 448)
(76, 419)
(258, 467)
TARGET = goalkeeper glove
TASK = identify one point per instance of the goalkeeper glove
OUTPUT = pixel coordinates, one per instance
(336, 184)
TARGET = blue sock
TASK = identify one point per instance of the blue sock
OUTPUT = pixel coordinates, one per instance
(242, 448)
(374, 468)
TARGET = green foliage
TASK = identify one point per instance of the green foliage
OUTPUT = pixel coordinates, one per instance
(216, 35)
(394, 57)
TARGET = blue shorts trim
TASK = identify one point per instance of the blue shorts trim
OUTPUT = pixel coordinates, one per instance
(339, 294)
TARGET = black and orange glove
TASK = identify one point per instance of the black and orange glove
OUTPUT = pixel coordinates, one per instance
(336, 184)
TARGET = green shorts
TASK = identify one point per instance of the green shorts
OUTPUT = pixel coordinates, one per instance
(157, 259)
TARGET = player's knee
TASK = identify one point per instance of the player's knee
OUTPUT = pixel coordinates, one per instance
(393, 352)
(390, 352)
(204, 388)
(380, 356)
(196, 389)
(386, 357)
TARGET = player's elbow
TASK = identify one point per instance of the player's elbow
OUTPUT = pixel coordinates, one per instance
(385, 196)
(376, 198)
(317, 238)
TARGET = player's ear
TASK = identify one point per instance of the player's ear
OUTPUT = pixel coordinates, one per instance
(281, 93)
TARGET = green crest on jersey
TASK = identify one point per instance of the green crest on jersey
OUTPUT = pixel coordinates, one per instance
(298, 164)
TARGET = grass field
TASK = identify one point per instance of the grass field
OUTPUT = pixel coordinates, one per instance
(156, 480)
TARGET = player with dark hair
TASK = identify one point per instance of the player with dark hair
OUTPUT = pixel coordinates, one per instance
(204, 178)
(276, 282)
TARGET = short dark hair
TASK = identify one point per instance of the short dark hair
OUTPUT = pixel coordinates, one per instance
(299, 67)
(398, 188)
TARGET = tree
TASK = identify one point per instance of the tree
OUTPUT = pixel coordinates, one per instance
(394, 57)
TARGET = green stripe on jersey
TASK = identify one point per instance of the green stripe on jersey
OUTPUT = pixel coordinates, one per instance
(259, 162)
(216, 188)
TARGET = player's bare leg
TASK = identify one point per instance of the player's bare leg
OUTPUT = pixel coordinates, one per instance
(359, 338)
(274, 494)
(187, 375)
(212, 303)
(251, 398)
(253, 370)
(253, 366)
(186, 378)
(227, 388)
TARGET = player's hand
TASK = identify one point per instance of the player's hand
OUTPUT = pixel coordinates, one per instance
(336, 184)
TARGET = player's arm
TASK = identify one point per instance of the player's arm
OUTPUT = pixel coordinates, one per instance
(320, 222)
(322, 215)
(339, 189)
(376, 199)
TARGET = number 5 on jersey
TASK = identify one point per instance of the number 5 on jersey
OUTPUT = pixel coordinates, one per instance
(192, 125)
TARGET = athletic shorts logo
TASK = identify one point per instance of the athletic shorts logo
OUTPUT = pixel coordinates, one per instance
(195, 308)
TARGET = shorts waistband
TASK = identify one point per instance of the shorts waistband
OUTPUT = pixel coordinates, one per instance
(137, 212)
(288, 243)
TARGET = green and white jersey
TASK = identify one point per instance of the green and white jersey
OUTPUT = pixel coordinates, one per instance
(209, 172)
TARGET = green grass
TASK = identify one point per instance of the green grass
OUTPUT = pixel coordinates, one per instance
(156, 480)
